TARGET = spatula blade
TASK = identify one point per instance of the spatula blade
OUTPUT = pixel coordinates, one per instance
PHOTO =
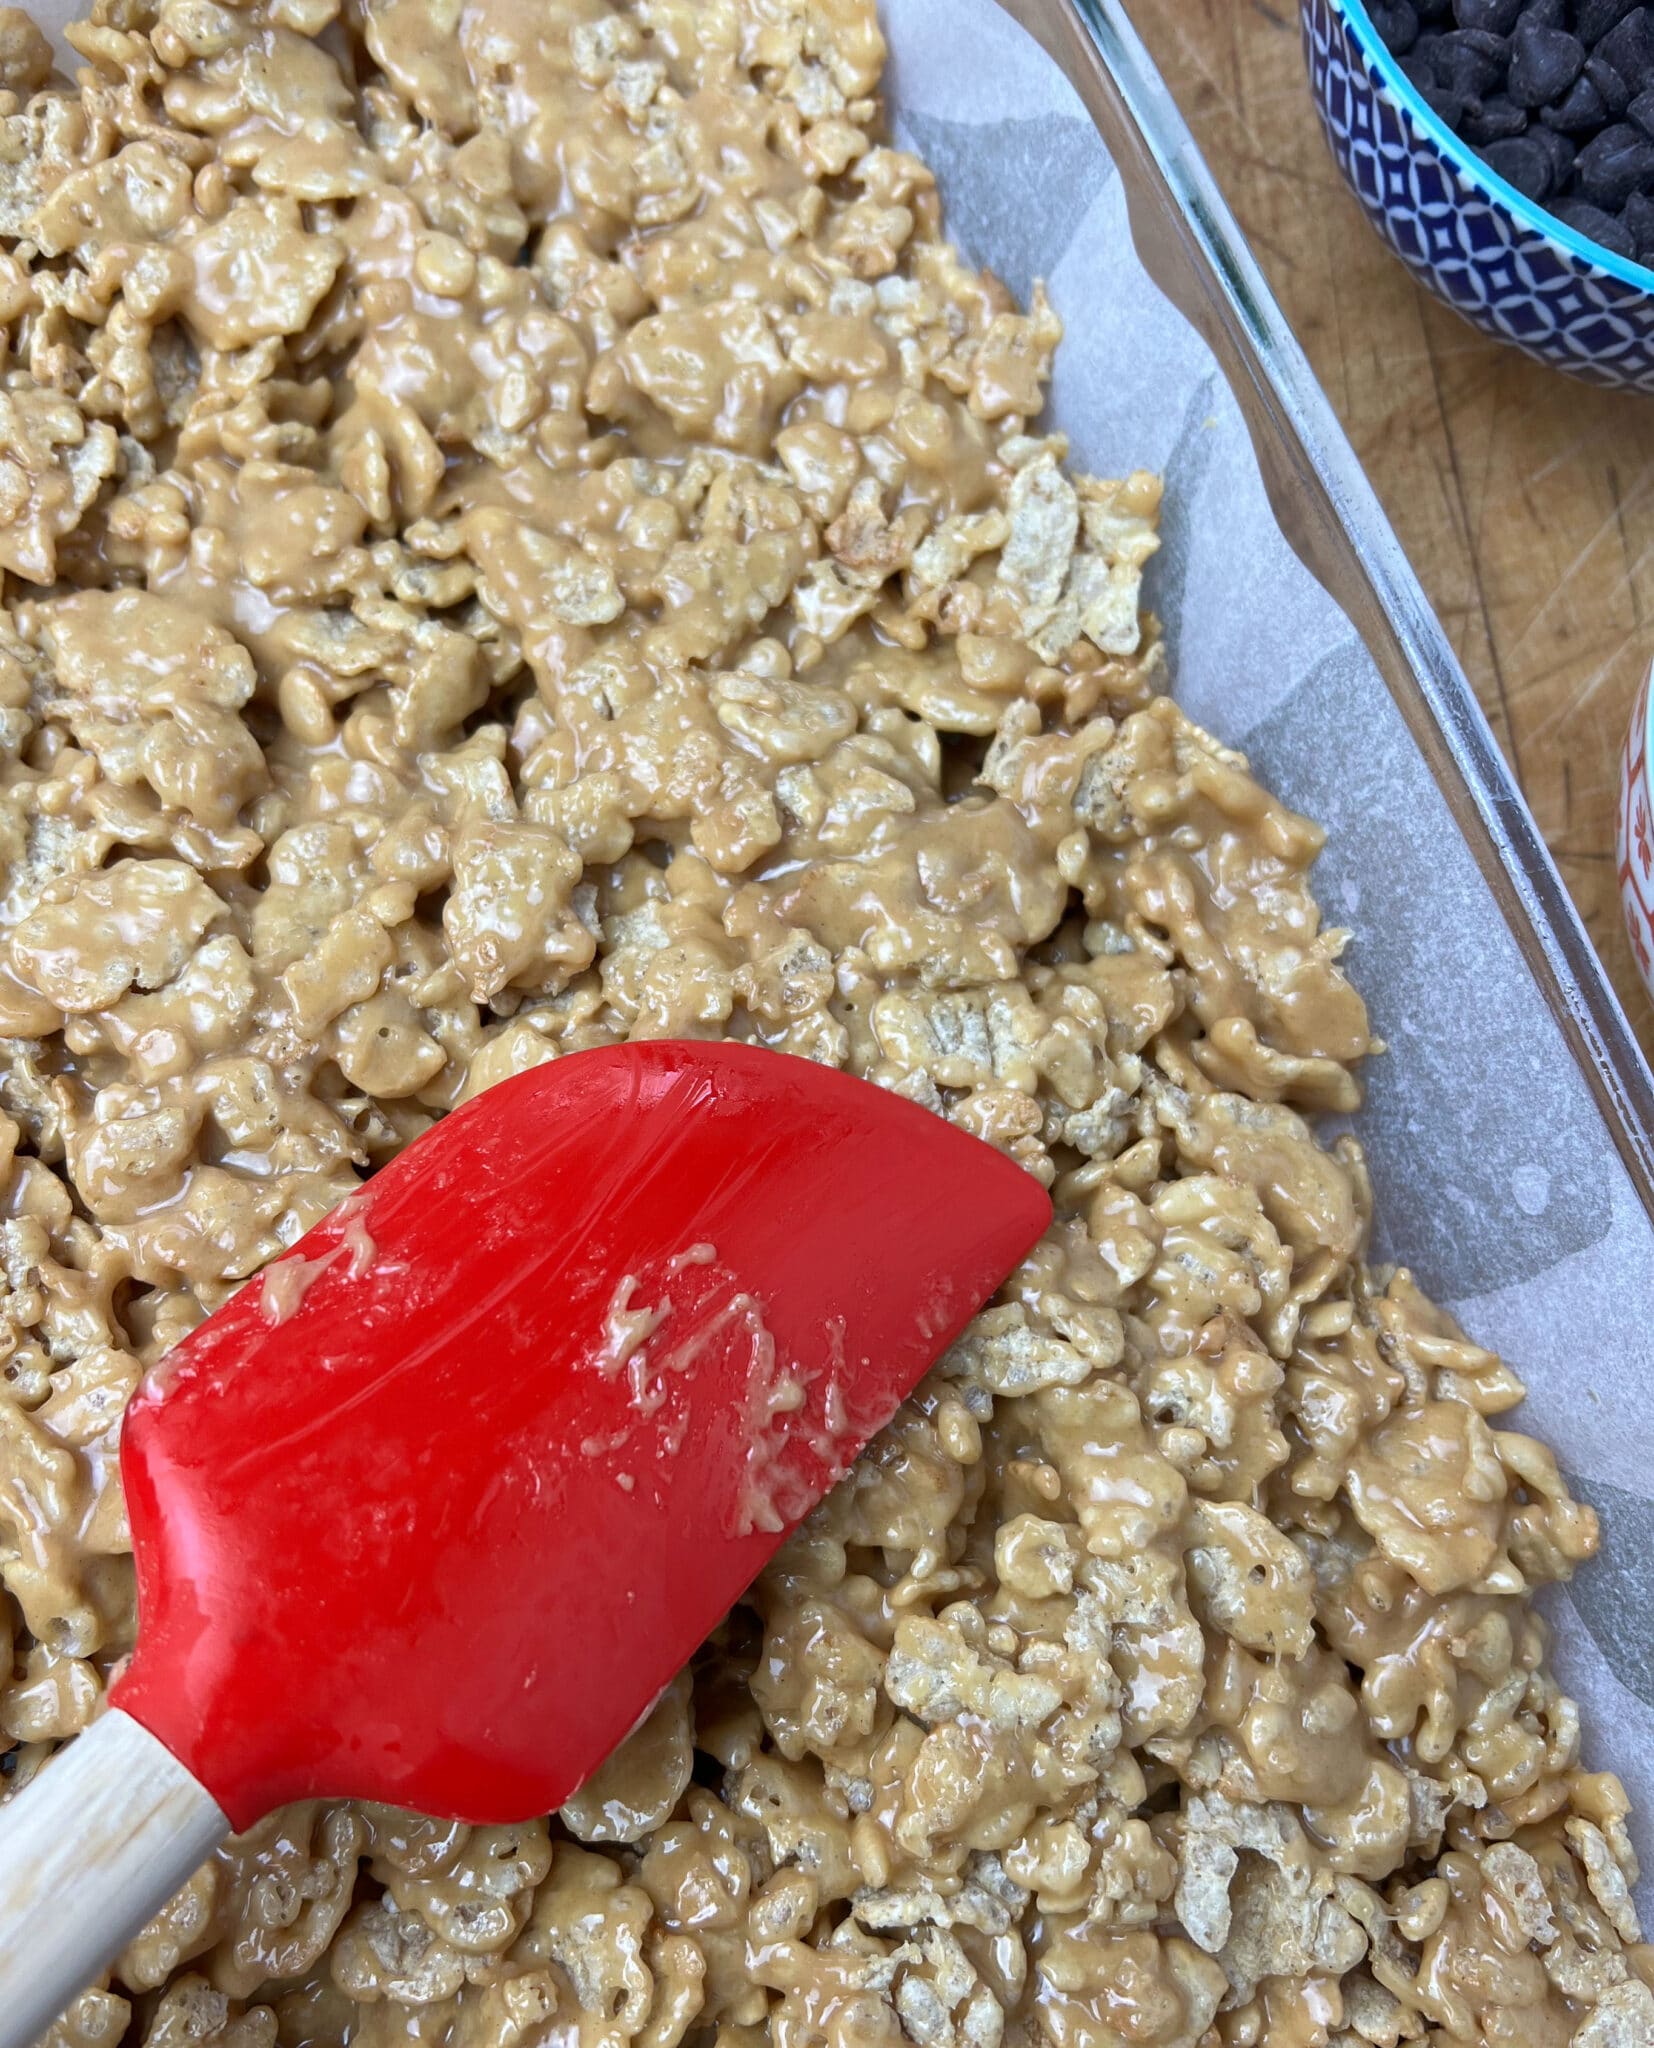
(433, 1509)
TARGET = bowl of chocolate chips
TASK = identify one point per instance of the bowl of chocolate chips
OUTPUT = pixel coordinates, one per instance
(1505, 150)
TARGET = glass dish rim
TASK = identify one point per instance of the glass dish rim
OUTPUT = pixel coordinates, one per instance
(1327, 511)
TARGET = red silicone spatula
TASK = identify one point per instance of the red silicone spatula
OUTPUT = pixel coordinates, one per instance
(433, 1509)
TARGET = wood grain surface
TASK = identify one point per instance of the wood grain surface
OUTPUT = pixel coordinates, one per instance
(1524, 500)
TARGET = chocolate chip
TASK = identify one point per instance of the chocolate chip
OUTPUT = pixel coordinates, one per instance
(1492, 119)
(1580, 110)
(1615, 164)
(1448, 106)
(1469, 60)
(1498, 17)
(1638, 222)
(1612, 88)
(1560, 152)
(1396, 22)
(1521, 160)
(1594, 18)
(1544, 62)
(1418, 71)
(1595, 225)
(1629, 47)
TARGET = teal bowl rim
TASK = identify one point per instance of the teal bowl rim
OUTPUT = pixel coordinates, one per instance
(1474, 170)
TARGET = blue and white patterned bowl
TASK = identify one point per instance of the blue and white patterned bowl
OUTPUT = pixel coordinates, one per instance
(1492, 255)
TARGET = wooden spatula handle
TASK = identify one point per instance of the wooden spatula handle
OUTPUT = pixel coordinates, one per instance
(89, 1852)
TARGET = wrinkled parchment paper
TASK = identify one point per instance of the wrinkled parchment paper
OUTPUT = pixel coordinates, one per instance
(1496, 1179)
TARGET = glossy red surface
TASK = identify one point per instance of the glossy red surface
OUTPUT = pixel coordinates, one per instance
(432, 1537)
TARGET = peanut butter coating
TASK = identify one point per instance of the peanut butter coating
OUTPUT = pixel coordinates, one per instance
(519, 532)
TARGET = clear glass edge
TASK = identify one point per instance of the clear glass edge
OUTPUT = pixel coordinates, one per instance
(1427, 681)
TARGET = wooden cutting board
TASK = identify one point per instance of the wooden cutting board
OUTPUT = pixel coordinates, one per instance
(1525, 500)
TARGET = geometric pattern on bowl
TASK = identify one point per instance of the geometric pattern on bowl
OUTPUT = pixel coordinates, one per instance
(1503, 262)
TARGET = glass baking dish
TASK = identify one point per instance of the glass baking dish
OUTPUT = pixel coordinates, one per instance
(1189, 243)
(1510, 1128)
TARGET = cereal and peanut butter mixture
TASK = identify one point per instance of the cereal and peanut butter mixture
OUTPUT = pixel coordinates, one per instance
(519, 533)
